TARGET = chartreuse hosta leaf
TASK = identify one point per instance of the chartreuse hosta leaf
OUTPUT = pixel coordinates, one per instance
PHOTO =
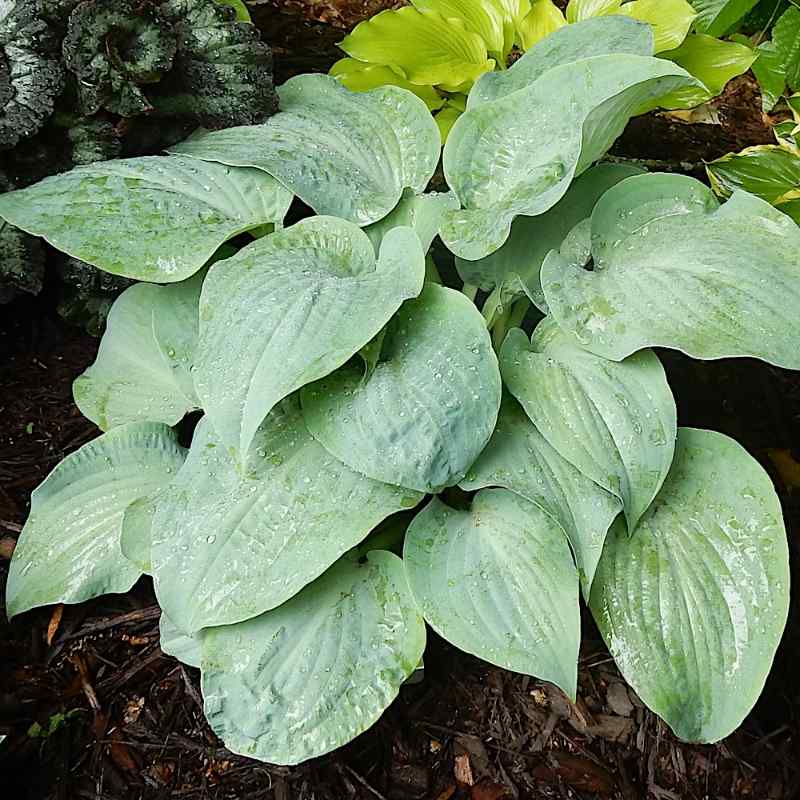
(716, 17)
(498, 581)
(578, 10)
(177, 644)
(290, 308)
(544, 18)
(486, 19)
(692, 606)
(670, 20)
(519, 458)
(446, 52)
(673, 268)
(614, 421)
(349, 154)
(153, 218)
(142, 369)
(425, 412)
(242, 542)
(311, 675)
(518, 154)
(516, 265)
(69, 549)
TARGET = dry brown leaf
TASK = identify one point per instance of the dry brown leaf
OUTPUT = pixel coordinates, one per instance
(463, 770)
(489, 790)
(55, 621)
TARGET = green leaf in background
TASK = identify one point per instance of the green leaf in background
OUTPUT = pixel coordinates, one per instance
(348, 154)
(786, 36)
(359, 76)
(69, 549)
(717, 17)
(176, 644)
(142, 369)
(614, 421)
(428, 408)
(242, 14)
(579, 10)
(692, 607)
(544, 18)
(518, 154)
(515, 267)
(712, 61)
(308, 677)
(290, 308)
(770, 73)
(152, 218)
(445, 52)
(498, 581)
(674, 269)
(484, 18)
(670, 20)
(519, 458)
(243, 542)
(446, 118)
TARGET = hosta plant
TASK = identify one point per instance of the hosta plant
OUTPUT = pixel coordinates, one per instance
(375, 452)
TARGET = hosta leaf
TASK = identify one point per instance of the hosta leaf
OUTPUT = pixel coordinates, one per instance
(674, 269)
(786, 36)
(428, 408)
(692, 606)
(767, 171)
(716, 17)
(290, 308)
(311, 675)
(518, 155)
(176, 644)
(445, 119)
(153, 218)
(347, 154)
(670, 20)
(142, 367)
(517, 264)
(579, 10)
(69, 549)
(486, 19)
(614, 421)
(136, 531)
(519, 458)
(445, 51)
(242, 542)
(498, 581)
(544, 18)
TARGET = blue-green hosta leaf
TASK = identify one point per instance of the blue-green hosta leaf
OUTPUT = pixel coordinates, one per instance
(69, 549)
(142, 367)
(177, 644)
(601, 36)
(692, 606)
(614, 421)
(311, 675)
(519, 154)
(717, 17)
(429, 406)
(239, 543)
(135, 535)
(673, 268)
(153, 218)
(498, 581)
(519, 458)
(290, 308)
(422, 212)
(517, 264)
(347, 154)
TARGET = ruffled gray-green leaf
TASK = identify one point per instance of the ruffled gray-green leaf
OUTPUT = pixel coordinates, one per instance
(673, 268)
(342, 153)
(425, 412)
(614, 421)
(241, 542)
(519, 458)
(308, 677)
(498, 581)
(153, 218)
(69, 549)
(291, 308)
(692, 606)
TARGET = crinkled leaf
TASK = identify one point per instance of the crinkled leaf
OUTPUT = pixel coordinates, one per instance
(693, 605)
(544, 18)
(518, 155)
(290, 308)
(519, 458)
(444, 53)
(786, 36)
(670, 20)
(69, 549)
(498, 581)
(614, 421)
(348, 154)
(21, 262)
(153, 218)
(242, 542)
(428, 408)
(515, 267)
(768, 171)
(674, 269)
(717, 17)
(142, 369)
(311, 675)
(177, 644)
